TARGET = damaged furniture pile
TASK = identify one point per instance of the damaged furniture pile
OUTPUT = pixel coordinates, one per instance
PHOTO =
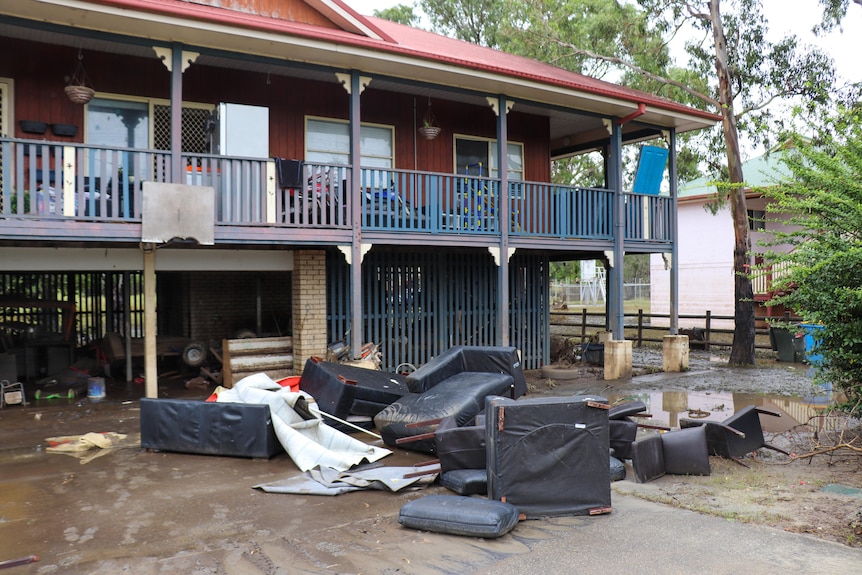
(529, 457)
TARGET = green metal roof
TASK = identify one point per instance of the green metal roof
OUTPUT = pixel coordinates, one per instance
(763, 170)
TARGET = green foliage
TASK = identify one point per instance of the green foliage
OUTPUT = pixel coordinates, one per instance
(476, 21)
(547, 29)
(834, 12)
(762, 73)
(823, 281)
(586, 170)
(565, 272)
(401, 14)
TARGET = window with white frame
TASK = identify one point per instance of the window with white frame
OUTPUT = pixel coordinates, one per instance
(478, 157)
(328, 142)
(6, 107)
(145, 123)
(118, 123)
(6, 122)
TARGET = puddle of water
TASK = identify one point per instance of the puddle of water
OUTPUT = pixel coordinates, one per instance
(842, 490)
(668, 407)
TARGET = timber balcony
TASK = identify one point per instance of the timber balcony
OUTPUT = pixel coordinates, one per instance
(76, 192)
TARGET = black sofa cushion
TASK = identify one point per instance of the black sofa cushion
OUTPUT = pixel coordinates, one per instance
(459, 515)
(461, 396)
(461, 358)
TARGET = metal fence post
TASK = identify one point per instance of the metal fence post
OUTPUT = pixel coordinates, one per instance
(583, 325)
(708, 330)
(640, 327)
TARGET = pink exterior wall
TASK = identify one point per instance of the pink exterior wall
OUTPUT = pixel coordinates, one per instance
(705, 268)
(705, 264)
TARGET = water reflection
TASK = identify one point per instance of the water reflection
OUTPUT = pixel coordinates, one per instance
(667, 407)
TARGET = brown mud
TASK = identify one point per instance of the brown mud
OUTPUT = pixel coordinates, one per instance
(128, 510)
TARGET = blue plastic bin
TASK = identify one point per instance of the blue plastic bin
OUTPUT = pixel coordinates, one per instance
(813, 358)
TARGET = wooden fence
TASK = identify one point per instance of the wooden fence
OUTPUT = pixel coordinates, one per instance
(638, 328)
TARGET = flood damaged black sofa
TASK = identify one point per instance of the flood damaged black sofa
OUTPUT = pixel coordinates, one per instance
(453, 384)
(209, 428)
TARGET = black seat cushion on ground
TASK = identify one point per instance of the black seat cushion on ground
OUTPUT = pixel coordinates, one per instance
(461, 396)
(463, 358)
(459, 515)
(466, 481)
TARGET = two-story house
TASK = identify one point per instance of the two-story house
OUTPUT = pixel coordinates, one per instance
(192, 167)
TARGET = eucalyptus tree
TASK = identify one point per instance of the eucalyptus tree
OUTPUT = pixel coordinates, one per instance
(734, 69)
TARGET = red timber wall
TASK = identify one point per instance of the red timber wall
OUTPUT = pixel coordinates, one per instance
(40, 73)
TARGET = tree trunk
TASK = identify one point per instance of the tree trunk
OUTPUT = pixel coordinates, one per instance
(742, 352)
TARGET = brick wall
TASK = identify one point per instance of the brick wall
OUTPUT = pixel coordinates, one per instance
(225, 302)
(309, 306)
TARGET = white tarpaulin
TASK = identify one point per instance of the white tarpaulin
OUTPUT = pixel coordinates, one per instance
(331, 482)
(310, 443)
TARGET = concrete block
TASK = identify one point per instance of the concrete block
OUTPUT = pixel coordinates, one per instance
(674, 352)
(618, 359)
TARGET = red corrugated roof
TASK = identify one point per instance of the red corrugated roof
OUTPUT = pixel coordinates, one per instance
(411, 42)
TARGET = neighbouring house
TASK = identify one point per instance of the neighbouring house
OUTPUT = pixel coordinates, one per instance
(195, 167)
(705, 249)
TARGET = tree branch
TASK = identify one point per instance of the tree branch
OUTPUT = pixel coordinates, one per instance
(615, 60)
(697, 14)
(760, 105)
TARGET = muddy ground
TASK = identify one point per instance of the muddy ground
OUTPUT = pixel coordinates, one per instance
(132, 511)
(820, 494)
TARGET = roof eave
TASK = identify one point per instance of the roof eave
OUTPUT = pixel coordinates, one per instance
(206, 27)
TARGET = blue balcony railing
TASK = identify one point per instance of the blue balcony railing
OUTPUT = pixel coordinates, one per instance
(47, 180)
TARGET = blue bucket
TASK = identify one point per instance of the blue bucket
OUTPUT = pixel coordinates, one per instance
(96, 388)
(813, 358)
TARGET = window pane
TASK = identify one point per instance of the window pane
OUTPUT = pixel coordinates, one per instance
(118, 123)
(515, 153)
(375, 142)
(516, 161)
(471, 157)
(328, 142)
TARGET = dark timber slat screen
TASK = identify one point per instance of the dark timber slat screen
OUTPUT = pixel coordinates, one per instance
(98, 298)
(417, 305)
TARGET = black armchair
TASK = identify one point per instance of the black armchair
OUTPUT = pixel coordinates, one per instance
(739, 434)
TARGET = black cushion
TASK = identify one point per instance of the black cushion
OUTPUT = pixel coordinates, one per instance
(622, 433)
(460, 447)
(461, 396)
(459, 515)
(685, 452)
(466, 481)
(648, 458)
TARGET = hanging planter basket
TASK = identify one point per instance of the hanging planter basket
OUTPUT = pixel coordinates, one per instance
(429, 132)
(429, 128)
(79, 90)
(79, 94)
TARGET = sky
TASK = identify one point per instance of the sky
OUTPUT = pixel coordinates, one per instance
(797, 16)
